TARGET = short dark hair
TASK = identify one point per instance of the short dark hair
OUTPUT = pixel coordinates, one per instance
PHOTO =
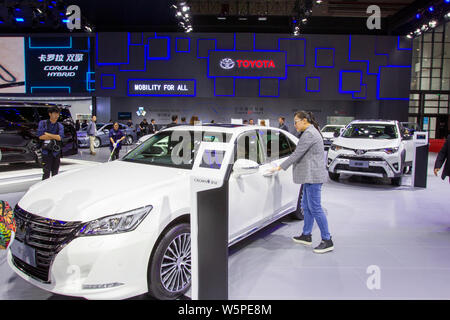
(54, 110)
(152, 120)
(282, 118)
(183, 119)
(174, 117)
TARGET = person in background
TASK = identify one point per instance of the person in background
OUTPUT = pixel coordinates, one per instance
(130, 124)
(51, 133)
(143, 126)
(183, 120)
(282, 125)
(84, 124)
(174, 121)
(245, 122)
(194, 120)
(152, 126)
(212, 121)
(251, 122)
(116, 137)
(263, 123)
(309, 171)
(443, 156)
(92, 132)
(77, 125)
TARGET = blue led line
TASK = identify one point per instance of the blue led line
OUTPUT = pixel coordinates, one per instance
(176, 44)
(108, 75)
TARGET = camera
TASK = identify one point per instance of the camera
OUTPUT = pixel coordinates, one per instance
(51, 145)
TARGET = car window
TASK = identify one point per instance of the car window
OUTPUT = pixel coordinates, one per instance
(17, 114)
(173, 148)
(108, 127)
(248, 146)
(276, 144)
(331, 129)
(371, 131)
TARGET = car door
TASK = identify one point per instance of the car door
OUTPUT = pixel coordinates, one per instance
(283, 192)
(103, 134)
(247, 193)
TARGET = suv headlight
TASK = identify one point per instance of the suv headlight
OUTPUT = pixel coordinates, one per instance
(335, 147)
(387, 150)
(118, 223)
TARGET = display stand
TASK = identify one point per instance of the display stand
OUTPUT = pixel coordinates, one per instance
(209, 221)
(420, 160)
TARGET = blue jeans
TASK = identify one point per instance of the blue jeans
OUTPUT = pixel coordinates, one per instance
(312, 210)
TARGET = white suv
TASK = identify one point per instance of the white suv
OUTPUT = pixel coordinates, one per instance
(374, 148)
(121, 229)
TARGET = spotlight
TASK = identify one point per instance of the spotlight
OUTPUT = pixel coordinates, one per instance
(179, 14)
(448, 15)
(418, 15)
(304, 20)
(447, 1)
(409, 36)
(431, 8)
(320, 1)
(185, 8)
(432, 23)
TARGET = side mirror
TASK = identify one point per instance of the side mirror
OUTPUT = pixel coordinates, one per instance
(244, 166)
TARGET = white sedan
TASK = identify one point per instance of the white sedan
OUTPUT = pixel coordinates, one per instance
(121, 229)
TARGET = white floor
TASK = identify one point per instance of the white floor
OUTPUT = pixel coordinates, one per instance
(403, 233)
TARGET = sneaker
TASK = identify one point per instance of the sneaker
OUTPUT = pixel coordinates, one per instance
(324, 246)
(303, 239)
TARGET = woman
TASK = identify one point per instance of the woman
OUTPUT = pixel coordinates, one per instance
(194, 121)
(116, 137)
(309, 170)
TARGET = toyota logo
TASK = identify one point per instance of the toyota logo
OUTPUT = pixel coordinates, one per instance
(360, 152)
(227, 63)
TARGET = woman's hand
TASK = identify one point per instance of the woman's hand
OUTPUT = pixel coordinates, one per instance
(436, 170)
(275, 169)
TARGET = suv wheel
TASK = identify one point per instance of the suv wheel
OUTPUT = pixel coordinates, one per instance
(396, 181)
(129, 140)
(333, 176)
(169, 272)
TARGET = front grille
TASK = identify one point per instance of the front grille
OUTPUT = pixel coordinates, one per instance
(346, 167)
(359, 158)
(46, 236)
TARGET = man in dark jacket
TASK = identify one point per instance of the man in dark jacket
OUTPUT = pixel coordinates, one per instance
(441, 158)
(282, 125)
(51, 133)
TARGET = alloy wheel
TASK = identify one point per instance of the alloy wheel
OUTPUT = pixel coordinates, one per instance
(176, 264)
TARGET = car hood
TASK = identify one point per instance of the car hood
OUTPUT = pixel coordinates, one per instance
(101, 190)
(366, 144)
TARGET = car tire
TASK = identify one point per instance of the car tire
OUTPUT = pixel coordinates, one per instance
(129, 140)
(162, 267)
(97, 143)
(298, 213)
(334, 176)
(396, 181)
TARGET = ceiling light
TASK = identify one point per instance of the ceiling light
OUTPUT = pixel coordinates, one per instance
(432, 23)
(409, 36)
(242, 19)
(262, 19)
(418, 15)
(431, 8)
(185, 8)
(221, 18)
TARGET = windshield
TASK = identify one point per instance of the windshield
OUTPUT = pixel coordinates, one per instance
(176, 148)
(331, 129)
(371, 131)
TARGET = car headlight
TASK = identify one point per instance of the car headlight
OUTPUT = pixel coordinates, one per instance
(388, 150)
(118, 223)
(335, 147)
